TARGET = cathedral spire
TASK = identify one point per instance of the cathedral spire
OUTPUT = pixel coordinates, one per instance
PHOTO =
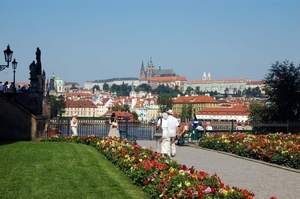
(142, 72)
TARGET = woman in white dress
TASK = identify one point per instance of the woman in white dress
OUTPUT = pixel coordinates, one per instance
(165, 141)
(113, 130)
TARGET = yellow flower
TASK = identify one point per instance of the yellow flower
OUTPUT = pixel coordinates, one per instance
(224, 191)
(179, 185)
(187, 183)
(171, 170)
(141, 160)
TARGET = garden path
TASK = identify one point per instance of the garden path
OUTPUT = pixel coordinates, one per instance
(263, 179)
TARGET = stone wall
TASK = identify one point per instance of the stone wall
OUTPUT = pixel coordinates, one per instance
(17, 122)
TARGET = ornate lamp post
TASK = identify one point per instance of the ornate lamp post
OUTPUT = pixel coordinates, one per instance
(14, 66)
(7, 55)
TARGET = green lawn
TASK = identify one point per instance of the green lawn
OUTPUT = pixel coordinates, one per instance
(60, 170)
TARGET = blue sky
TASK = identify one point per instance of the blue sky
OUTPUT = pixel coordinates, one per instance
(88, 40)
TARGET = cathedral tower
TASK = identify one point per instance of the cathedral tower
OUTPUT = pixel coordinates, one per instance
(142, 72)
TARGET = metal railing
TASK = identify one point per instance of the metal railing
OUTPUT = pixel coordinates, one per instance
(145, 131)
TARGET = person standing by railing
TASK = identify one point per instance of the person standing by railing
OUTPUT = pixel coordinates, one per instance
(74, 125)
(247, 126)
(208, 127)
(239, 126)
(114, 126)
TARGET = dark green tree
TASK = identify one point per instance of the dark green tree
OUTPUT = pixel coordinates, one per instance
(135, 115)
(259, 113)
(58, 106)
(188, 90)
(114, 88)
(96, 87)
(126, 108)
(190, 111)
(184, 114)
(144, 87)
(105, 87)
(197, 90)
(164, 102)
(282, 86)
(117, 107)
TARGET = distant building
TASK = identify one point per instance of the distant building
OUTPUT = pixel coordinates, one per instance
(83, 108)
(171, 81)
(118, 81)
(57, 85)
(198, 103)
(238, 113)
(150, 71)
(229, 86)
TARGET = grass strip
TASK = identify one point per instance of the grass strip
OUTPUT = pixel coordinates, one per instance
(61, 170)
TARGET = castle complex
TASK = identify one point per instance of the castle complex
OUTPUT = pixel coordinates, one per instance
(155, 77)
(150, 71)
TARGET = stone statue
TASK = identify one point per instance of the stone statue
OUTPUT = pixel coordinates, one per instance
(38, 55)
(38, 61)
(33, 72)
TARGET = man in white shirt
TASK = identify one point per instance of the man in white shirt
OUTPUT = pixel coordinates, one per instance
(172, 129)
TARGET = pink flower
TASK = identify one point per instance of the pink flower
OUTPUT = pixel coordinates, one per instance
(207, 190)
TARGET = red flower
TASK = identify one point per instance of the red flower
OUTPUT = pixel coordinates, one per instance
(145, 181)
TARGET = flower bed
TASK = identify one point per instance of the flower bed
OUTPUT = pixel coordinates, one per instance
(281, 149)
(160, 177)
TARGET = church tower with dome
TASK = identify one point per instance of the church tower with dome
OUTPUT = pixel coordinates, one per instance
(57, 85)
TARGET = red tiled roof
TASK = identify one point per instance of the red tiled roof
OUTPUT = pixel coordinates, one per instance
(236, 110)
(80, 103)
(255, 83)
(195, 99)
(167, 79)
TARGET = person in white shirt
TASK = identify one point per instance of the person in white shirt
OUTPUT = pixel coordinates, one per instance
(74, 125)
(208, 127)
(200, 127)
(172, 129)
(165, 139)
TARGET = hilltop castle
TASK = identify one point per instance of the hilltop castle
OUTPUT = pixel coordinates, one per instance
(150, 71)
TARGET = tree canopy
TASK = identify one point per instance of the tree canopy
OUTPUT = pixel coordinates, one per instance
(282, 86)
(58, 105)
(164, 102)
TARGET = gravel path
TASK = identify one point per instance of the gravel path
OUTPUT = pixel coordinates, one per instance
(264, 180)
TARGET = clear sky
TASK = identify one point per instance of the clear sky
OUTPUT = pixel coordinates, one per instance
(86, 40)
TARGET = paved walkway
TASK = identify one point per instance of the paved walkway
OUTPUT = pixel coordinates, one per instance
(264, 180)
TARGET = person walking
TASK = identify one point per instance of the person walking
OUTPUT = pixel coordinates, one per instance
(172, 129)
(74, 125)
(165, 139)
(158, 134)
